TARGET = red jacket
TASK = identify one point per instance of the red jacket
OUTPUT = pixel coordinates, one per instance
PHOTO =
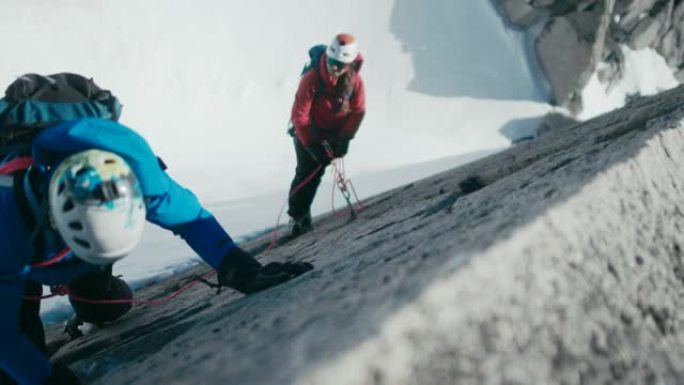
(317, 114)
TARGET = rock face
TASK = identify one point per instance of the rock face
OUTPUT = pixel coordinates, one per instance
(558, 261)
(579, 34)
(554, 122)
(570, 47)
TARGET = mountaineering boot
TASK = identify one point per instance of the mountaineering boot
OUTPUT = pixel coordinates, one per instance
(71, 327)
(301, 225)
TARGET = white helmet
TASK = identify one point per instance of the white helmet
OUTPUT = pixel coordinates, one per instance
(343, 48)
(97, 206)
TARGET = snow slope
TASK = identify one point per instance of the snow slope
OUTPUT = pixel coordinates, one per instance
(211, 83)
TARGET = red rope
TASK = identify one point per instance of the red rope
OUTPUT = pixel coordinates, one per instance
(23, 163)
(343, 184)
(57, 290)
(16, 164)
(63, 290)
(274, 234)
(339, 180)
(58, 257)
(360, 205)
(160, 301)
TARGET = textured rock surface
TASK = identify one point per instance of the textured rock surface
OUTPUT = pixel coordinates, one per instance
(581, 33)
(521, 13)
(554, 122)
(558, 261)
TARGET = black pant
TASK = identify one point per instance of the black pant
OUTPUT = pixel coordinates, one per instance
(29, 323)
(300, 203)
(99, 285)
(29, 319)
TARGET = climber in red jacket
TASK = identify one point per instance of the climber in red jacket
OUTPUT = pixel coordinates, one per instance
(329, 106)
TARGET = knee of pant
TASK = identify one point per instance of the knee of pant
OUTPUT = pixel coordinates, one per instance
(304, 172)
(114, 288)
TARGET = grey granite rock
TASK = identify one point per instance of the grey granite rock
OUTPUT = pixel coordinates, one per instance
(569, 49)
(645, 33)
(555, 121)
(521, 13)
(579, 34)
(671, 45)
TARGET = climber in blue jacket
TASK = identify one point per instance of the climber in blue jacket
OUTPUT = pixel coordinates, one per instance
(82, 189)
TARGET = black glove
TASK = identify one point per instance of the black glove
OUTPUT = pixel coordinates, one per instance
(293, 268)
(240, 271)
(341, 147)
(318, 153)
(62, 375)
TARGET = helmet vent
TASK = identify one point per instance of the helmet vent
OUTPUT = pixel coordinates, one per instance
(81, 171)
(78, 226)
(82, 242)
(96, 206)
(68, 206)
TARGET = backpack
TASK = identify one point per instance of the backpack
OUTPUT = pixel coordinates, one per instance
(33, 102)
(315, 54)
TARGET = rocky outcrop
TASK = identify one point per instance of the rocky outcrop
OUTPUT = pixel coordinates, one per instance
(570, 47)
(555, 122)
(522, 13)
(579, 34)
(671, 42)
(557, 261)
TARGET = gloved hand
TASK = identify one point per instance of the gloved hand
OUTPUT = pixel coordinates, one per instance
(240, 271)
(292, 268)
(318, 153)
(341, 147)
(62, 375)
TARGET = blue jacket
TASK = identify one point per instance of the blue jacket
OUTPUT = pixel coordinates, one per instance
(169, 205)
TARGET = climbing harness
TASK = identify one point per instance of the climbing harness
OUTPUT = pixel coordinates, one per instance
(274, 234)
(340, 181)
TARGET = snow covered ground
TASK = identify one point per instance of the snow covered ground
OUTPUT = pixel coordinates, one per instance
(210, 85)
(646, 73)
